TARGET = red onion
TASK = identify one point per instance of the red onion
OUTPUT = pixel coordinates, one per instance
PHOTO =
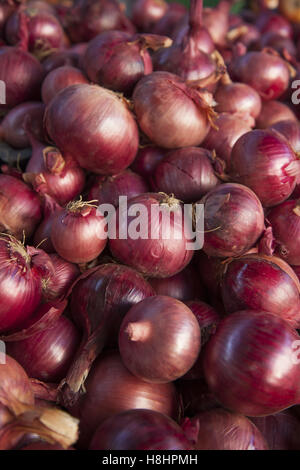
(222, 430)
(117, 60)
(111, 389)
(282, 45)
(233, 220)
(43, 231)
(260, 282)
(281, 430)
(47, 355)
(264, 161)
(229, 128)
(195, 396)
(6, 9)
(63, 58)
(12, 130)
(108, 189)
(140, 430)
(16, 393)
(159, 339)
(187, 173)
(169, 21)
(237, 98)
(87, 18)
(104, 133)
(20, 282)
(146, 13)
(20, 207)
(285, 222)
(100, 299)
(45, 32)
(267, 73)
(146, 161)
(290, 129)
(22, 75)
(244, 33)
(183, 286)
(169, 112)
(273, 112)
(51, 173)
(78, 232)
(60, 78)
(257, 375)
(216, 20)
(57, 285)
(269, 21)
(162, 250)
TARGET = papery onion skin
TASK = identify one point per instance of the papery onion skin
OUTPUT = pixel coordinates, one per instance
(107, 190)
(60, 59)
(159, 339)
(266, 73)
(167, 111)
(65, 273)
(264, 161)
(222, 430)
(237, 98)
(285, 222)
(20, 207)
(272, 280)
(12, 130)
(140, 430)
(60, 78)
(162, 255)
(146, 13)
(22, 74)
(78, 233)
(47, 355)
(111, 389)
(230, 127)
(233, 220)
(187, 173)
(281, 430)
(273, 112)
(245, 376)
(14, 385)
(290, 129)
(183, 286)
(104, 133)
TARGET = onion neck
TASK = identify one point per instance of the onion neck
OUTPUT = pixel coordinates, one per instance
(53, 159)
(16, 249)
(139, 331)
(169, 200)
(195, 14)
(81, 207)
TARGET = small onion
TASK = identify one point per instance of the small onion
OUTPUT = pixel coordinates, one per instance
(104, 133)
(159, 339)
(140, 430)
(60, 78)
(257, 375)
(146, 161)
(57, 285)
(187, 173)
(146, 13)
(273, 112)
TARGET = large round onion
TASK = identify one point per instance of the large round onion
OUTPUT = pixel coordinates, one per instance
(170, 113)
(104, 133)
(258, 374)
(162, 249)
(261, 282)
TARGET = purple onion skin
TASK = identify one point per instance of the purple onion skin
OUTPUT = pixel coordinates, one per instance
(285, 222)
(159, 327)
(269, 21)
(195, 396)
(167, 111)
(154, 257)
(187, 173)
(65, 274)
(116, 60)
(265, 162)
(273, 112)
(245, 377)
(60, 78)
(281, 430)
(257, 283)
(112, 389)
(267, 74)
(22, 74)
(233, 220)
(146, 13)
(290, 129)
(12, 130)
(147, 160)
(108, 189)
(169, 22)
(237, 97)
(140, 430)
(223, 430)
(278, 43)
(47, 355)
(104, 133)
(61, 59)
(230, 128)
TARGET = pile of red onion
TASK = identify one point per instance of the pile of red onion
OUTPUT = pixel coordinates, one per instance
(149, 225)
